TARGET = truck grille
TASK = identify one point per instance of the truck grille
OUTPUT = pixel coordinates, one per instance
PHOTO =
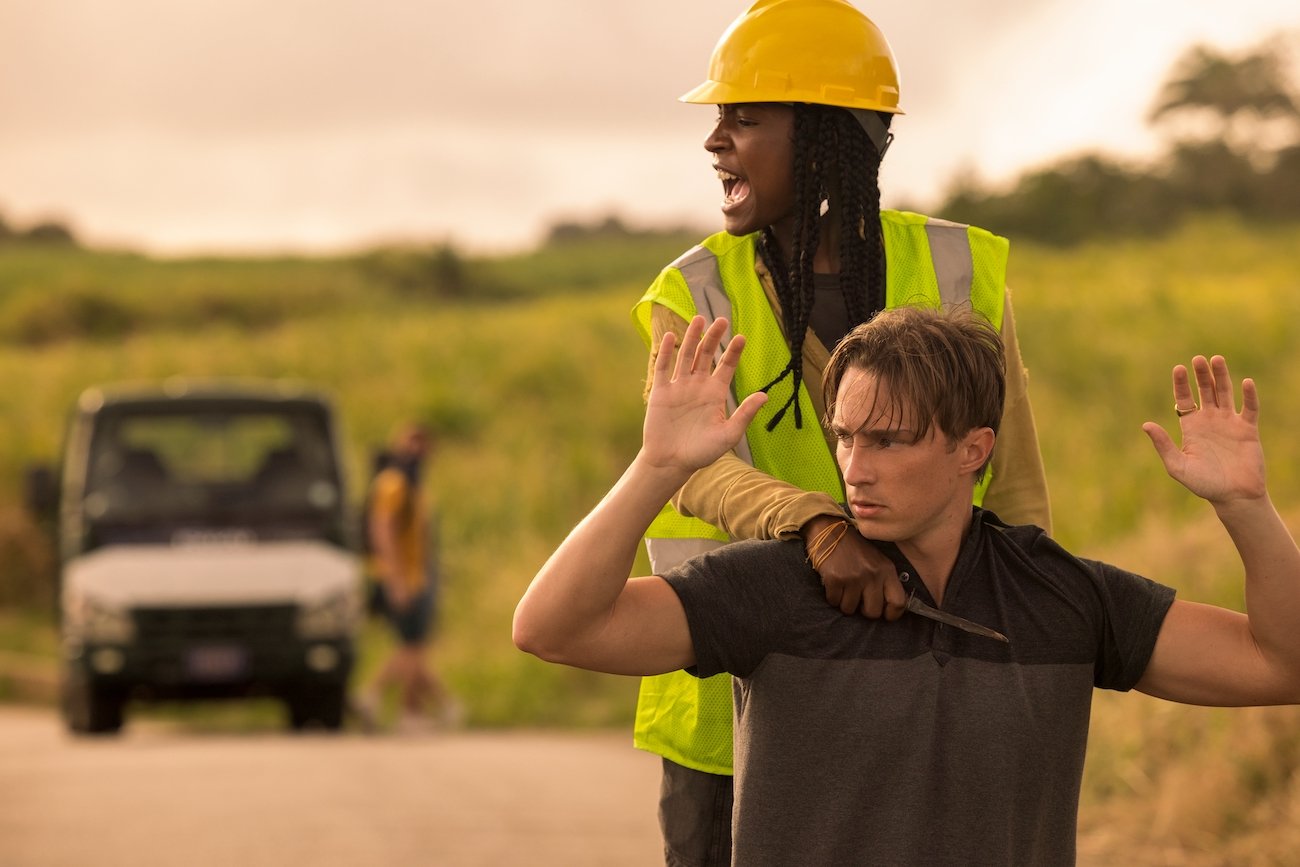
(195, 625)
(169, 640)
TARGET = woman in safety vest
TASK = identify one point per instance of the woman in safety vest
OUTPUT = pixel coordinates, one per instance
(805, 90)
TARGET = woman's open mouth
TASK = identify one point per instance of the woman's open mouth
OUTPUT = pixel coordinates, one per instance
(734, 188)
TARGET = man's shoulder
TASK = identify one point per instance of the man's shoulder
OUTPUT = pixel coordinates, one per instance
(775, 550)
(1031, 541)
(1023, 551)
(748, 558)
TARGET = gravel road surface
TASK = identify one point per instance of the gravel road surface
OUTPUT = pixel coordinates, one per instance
(161, 796)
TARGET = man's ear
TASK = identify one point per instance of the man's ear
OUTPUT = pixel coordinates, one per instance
(975, 448)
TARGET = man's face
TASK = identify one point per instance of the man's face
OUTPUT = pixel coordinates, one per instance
(753, 152)
(901, 487)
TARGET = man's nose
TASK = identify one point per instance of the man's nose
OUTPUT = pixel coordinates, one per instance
(857, 466)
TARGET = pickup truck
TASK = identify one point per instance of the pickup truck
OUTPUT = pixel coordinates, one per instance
(206, 551)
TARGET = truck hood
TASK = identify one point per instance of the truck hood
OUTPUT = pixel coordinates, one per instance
(133, 576)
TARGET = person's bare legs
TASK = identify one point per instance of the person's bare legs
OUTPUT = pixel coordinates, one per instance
(415, 688)
(429, 693)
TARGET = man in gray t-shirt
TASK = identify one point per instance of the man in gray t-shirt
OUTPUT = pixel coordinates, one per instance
(954, 734)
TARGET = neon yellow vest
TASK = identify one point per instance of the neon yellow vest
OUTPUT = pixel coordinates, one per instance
(929, 262)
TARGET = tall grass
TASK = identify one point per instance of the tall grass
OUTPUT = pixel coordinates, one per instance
(1101, 327)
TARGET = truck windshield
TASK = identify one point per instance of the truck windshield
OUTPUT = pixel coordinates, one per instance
(202, 468)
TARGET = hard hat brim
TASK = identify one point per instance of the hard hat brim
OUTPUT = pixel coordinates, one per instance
(721, 93)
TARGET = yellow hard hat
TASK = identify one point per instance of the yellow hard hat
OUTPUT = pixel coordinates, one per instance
(817, 51)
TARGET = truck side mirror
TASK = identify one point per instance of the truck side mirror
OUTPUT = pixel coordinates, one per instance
(41, 489)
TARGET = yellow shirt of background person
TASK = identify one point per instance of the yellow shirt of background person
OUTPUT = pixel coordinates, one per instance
(396, 505)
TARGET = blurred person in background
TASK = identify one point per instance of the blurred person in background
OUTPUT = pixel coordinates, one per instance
(404, 563)
(805, 92)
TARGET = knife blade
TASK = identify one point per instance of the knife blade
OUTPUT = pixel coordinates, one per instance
(916, 606)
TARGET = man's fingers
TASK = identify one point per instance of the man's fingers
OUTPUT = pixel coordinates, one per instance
(1163, 443)
(1205, 385)
(686, 358)
(1214, 388)
(730, 358)
(1183, 397)
(700, 344)
(749, 408)
(702, 356)
(664, 358)
(1223, 393)
(1249, 401)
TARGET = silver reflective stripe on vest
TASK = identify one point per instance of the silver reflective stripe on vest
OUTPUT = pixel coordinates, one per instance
(951, 255)
(668, 553)
(699, 268)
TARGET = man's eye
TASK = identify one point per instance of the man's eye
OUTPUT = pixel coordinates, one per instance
(884, 442)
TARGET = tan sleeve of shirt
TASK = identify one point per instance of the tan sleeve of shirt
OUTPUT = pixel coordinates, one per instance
(1018, 492)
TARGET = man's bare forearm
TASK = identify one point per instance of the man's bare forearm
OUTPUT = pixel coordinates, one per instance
(574, 593)
(1271, 562)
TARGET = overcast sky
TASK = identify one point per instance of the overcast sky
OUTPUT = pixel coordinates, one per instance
(247, 125)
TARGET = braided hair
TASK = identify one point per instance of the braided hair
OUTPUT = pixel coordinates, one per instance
(831, 152)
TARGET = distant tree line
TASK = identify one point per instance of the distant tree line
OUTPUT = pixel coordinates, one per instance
(610, 227)
(48, 232)
(1231, 124)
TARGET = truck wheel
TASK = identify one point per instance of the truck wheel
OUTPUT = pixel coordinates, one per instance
(320, 707)
(89, 708)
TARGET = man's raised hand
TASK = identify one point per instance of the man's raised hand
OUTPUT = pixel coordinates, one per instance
(686, 423)
(1220, 458)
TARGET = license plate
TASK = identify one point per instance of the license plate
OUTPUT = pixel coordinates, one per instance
(216, 662)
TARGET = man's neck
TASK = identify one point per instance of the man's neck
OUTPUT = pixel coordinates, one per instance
(934, 553)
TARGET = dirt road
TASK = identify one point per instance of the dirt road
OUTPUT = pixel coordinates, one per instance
(159, 796)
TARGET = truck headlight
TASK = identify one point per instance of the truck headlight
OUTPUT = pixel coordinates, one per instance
(331, 617)
(97, 622)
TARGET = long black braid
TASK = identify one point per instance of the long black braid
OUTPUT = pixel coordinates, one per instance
(831, 152)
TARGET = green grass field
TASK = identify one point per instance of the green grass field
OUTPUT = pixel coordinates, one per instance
(533, 373)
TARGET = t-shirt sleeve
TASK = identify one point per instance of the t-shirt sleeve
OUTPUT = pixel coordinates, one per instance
(1134, 610)
(737, 601)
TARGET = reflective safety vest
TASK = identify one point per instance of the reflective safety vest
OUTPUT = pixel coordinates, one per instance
(929, 263)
